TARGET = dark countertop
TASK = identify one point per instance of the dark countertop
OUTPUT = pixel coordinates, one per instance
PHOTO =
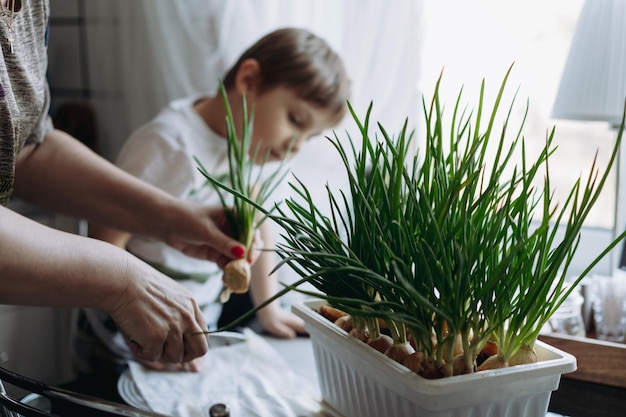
(576, 398)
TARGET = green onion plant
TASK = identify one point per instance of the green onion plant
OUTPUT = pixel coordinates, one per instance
(454, 245)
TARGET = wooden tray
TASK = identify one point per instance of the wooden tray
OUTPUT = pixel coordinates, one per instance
(597, 361)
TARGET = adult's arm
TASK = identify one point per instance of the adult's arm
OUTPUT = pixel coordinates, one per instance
(63, 175)
(41, 266)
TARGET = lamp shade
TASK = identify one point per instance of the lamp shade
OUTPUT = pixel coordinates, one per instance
(593, 84)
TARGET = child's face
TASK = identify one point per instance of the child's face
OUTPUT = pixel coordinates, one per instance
(283, 120)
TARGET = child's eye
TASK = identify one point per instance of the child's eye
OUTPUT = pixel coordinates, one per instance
(294, 119)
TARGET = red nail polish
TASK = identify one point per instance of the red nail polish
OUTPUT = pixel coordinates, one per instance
(238, 251)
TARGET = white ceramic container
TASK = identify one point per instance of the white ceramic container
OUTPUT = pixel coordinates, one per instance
(358, 381)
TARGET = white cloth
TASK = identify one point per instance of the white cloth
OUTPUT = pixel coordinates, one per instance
(251, 378)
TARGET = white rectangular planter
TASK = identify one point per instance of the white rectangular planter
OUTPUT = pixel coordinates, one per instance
(359, 381)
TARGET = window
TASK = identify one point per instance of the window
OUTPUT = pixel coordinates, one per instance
(481, 39)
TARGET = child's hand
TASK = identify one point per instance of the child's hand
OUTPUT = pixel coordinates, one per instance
(279, 322)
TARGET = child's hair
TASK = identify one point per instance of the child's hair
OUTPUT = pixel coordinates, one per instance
(301, 61)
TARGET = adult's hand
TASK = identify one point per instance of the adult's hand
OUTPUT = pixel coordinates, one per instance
(158, 316)
(41, 266)
(205, 224)
(195, 365)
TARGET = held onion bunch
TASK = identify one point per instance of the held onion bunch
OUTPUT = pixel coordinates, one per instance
(251, 183)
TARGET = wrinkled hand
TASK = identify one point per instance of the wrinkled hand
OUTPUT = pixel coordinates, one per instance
(279, 322)
(203, 232)
(158, 316)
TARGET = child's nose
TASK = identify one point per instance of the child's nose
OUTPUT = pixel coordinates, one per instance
(297, 142)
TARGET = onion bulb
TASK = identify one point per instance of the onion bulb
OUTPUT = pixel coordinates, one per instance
(493, 362)
(524, 355)
(381, 343)
(331, 313)
(236, 277)
(414, 362)
(490, 349)
(360, 333)
(399, 351)
(459, 365)
(345, 323)
(430, 370)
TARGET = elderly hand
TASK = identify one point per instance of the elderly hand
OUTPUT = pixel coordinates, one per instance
(159, 317)
(195, 365)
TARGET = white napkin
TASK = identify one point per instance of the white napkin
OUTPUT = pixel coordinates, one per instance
(251, 378)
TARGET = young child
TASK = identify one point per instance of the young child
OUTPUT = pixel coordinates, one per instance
(298, 87)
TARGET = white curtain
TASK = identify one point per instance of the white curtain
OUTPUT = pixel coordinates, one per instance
(159, 50)
(164, 49)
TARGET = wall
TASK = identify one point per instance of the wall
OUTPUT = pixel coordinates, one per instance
(82, 37)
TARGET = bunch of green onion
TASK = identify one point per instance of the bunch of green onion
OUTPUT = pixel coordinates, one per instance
(248, 184)
(447, 248)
